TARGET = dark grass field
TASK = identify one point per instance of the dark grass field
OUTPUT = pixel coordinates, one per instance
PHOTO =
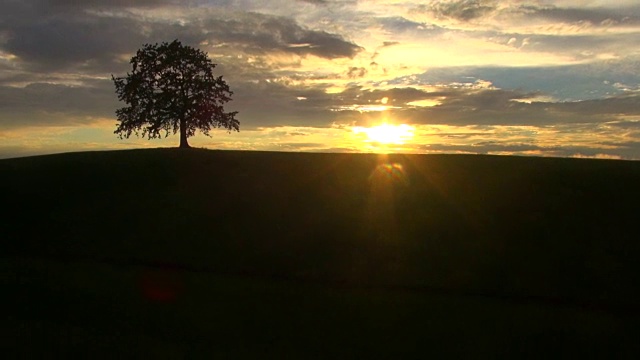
(174, 253)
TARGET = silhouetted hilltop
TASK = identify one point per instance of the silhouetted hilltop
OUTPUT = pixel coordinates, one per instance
(196, 253)
(563, 229)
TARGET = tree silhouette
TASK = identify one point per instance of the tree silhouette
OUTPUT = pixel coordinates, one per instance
(171, 88)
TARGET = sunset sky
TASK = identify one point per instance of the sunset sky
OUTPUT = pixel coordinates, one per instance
(523, 77)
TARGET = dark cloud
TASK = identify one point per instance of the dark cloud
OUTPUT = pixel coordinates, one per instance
(58, 43)
(89, 42)
(468, 106)
(564, 83)
(468, 10)
(264, 104)
(261, 104)
(356, 72)
(463, 10)
(595, 16)
(628, 104)
(316, 2)
(497, 107)
(399, 24)
(69, 7)
(56, 37)
(49, 104)
(257, 32)
(627, 150)
(487, 100)
(274, 104)
(103, 3)
(630, 125)
(586, 47)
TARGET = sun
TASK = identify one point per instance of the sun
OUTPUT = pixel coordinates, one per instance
(387, 133)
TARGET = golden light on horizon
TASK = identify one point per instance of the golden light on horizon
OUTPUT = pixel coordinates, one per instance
(386, 133)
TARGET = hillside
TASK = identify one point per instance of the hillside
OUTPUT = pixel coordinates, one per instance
(542, 232)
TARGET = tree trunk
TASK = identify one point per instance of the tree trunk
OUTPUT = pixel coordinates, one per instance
(184, 143)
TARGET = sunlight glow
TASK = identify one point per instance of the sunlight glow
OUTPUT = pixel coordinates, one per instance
(426, 102)
(386, 133)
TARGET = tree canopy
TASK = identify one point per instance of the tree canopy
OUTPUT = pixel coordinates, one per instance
(172, 88)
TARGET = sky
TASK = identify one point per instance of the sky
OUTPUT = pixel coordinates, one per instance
(509, 77)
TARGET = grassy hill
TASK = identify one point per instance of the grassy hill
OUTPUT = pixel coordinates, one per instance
(291, 254)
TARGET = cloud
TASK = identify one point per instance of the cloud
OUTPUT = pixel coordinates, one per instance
(581, 47)
(50, 44)
(316, 2)
(256, 32)
(97, 42)
(399, 24)
(260, 104)
(561, 82)
(42, 104)
(110, 3)
(469, 106)
(463, 10)
(269, 103)
(528, 18)
(356, 72)
(495, 107)
(102, 3)
(595, 16)
(450, 105)
(626, 124)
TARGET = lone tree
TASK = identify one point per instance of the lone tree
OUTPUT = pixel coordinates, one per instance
(171, 88)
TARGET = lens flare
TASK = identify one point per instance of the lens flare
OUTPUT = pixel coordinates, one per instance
(390, 172)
